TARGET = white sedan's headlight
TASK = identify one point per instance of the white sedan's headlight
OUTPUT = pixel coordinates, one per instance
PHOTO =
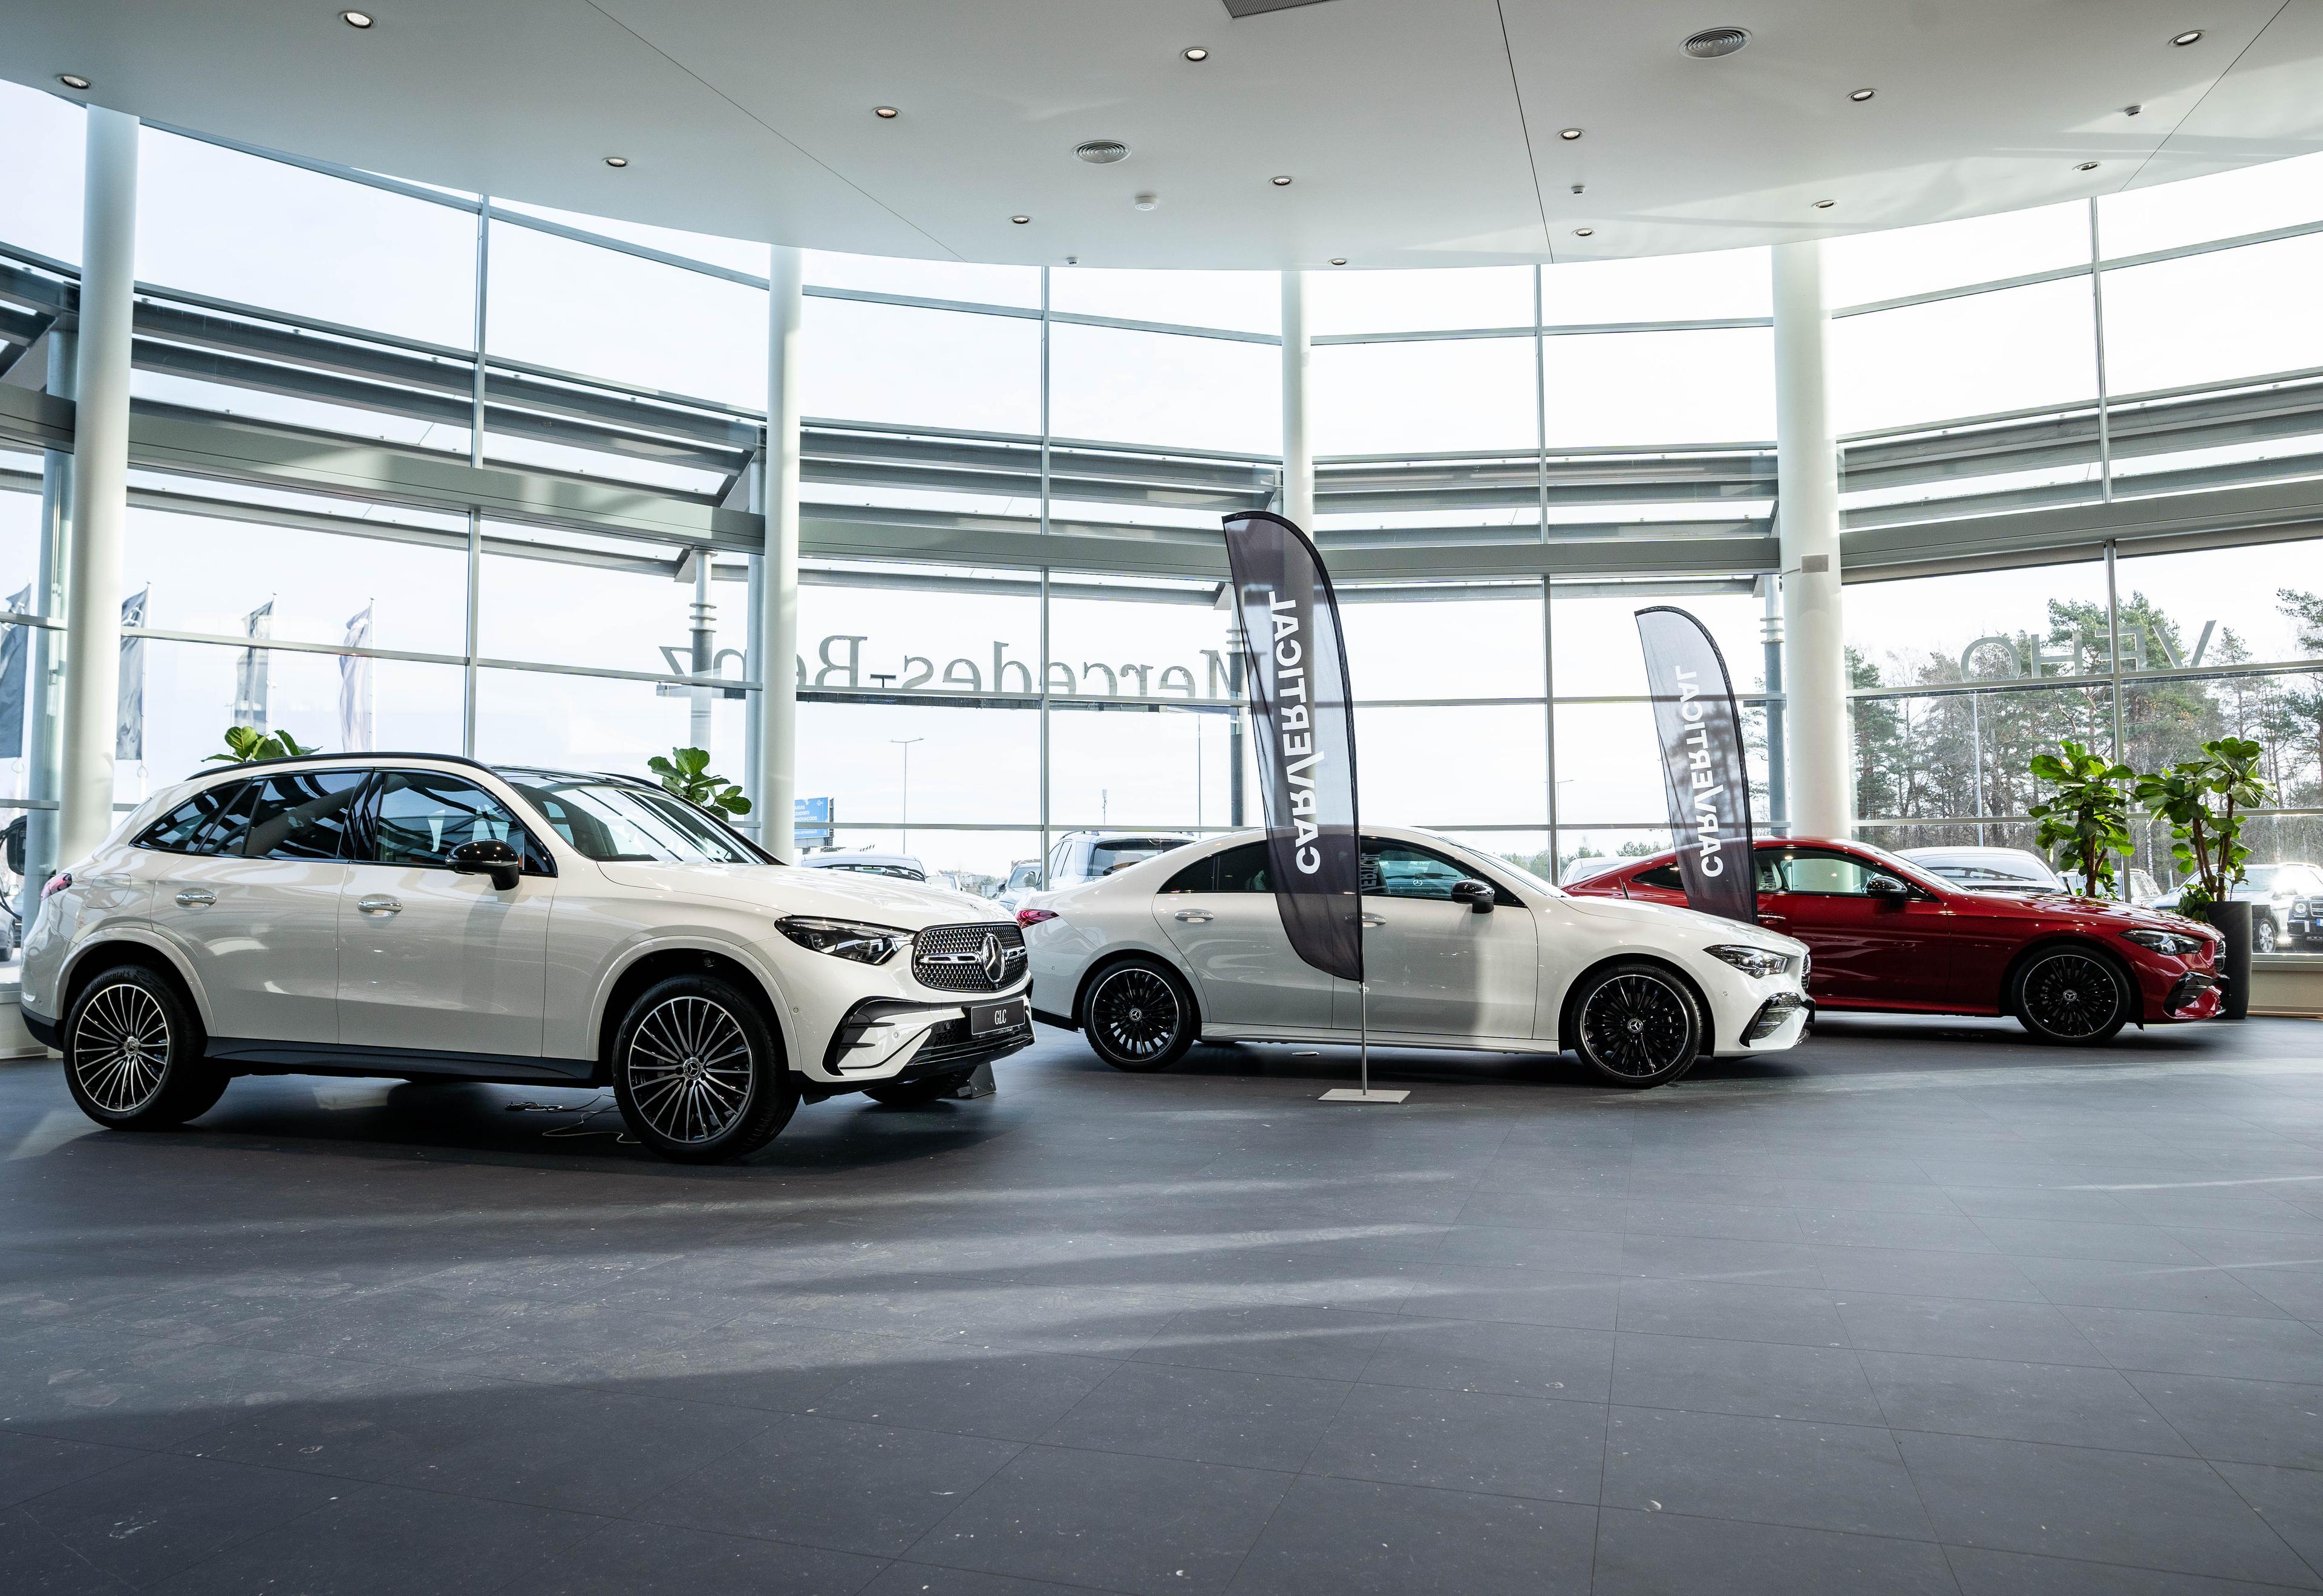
(844, 939)
(1760, 962)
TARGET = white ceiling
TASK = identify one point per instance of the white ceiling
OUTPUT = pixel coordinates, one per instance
(1418, 132)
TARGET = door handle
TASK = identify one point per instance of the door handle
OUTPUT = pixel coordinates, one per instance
(195, 898)
(1371, 920)
(1196, 916)
(379, 905)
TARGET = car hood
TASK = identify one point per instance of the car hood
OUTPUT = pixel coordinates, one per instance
(1669, 919)
(783, 889)
(2111, 914)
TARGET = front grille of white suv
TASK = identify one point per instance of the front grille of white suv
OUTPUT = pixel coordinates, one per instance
(969, 958)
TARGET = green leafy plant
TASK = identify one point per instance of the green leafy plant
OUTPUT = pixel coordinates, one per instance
(2203, 799)
(686, 774)
(2086, 823)
(246, 743)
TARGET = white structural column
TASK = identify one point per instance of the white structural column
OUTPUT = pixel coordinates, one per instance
(1815, 658)
(92, 695)
(1297, 457)
(775, 783)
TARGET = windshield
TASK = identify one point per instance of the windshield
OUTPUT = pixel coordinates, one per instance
(611, 821)
(1898, 864)
(1987, 873)
(1108, 856)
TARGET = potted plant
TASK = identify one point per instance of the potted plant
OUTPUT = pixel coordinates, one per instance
(244, 744)
(2086, 823)
(686, 774)
(2204, 799)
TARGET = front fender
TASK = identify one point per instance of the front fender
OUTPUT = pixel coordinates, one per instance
(700, 939)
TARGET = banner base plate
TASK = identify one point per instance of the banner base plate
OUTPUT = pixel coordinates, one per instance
(1358, 1094)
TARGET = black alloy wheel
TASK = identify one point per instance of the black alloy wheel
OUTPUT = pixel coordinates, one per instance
(698, 1074)
(1139, 1016)
(1637, 1024)
(918, 1093)
(2071, 997)
(132, 1047)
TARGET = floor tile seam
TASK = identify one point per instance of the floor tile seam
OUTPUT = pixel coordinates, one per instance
(608, 1528)
(61, 1543)
(1045, 1579)
(2313, 1565)
(1701, 1517)
(135, 1454)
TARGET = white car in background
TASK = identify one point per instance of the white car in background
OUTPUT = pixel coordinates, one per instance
(1990, 869)
(426, 917)
(1460, 950)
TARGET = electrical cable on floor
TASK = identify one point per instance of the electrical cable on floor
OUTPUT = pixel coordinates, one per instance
(587, 1111)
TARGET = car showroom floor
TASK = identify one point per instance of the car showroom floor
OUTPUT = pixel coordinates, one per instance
(1919, 1307)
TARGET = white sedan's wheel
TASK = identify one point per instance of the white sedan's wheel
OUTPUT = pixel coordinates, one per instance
(1637, 1024)
(1139, 1016)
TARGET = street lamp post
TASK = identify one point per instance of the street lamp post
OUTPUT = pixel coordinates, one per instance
(905, 743)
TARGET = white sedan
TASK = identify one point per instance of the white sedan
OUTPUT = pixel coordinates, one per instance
(1460, 950)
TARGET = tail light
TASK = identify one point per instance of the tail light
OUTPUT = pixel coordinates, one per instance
(1034, 916)
(56, 884)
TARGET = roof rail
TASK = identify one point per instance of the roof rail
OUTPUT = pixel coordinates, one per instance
(223, 767)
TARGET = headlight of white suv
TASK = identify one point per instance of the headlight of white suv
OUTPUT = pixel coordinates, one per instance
(844, 939)
(1760, 962)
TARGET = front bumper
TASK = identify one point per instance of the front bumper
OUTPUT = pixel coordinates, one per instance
(1791, 1009)
(2195, 996)
(882, 1040)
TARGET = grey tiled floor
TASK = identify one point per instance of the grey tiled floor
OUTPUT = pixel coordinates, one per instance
(1918, 1308)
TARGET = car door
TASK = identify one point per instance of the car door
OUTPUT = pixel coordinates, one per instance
(431, 959)
(1219, 914)
(1871, 950)
(253, 902)
(1435, 968)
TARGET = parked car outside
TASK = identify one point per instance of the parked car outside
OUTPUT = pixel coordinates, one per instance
(2287, 905)
(1023, 880)
(1988, 869)
(1461, 950)
(1889, 935)
(1582, 870)
(895, 866)
(2142, 889)
(1090, 855)
(428, 917)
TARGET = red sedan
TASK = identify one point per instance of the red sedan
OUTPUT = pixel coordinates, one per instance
(1886, 934)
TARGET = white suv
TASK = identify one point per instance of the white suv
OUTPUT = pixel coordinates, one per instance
(424, 916)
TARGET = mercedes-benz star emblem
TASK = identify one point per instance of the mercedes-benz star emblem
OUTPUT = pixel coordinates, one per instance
(994, 962)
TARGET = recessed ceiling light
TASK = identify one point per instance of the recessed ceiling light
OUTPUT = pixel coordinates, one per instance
(1861, 95)
(356, 19)
(72, 80)
(1824, 205)
(1020, 221)
(1568, 133)
(1338, 259)
(1283, 182)
(1585, 231)
(1146, 202)
(884, 112)
(617, 161)
(1712, 42)
(2191, 36)
(2087, 166)
(2131, 110)
(1195, 52)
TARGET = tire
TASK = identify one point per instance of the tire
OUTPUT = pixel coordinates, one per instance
(2264, 937)
(698, 1074)
(2071, 997)
(1139, 1016)
(132, 1047)
(918, 1093)
(1637, 1024)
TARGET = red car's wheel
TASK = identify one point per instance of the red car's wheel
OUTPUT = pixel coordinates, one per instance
(2073, 997)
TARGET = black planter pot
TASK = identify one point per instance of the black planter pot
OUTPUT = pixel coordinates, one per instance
(2233, 918)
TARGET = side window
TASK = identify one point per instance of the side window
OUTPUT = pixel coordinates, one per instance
(224, 835)
(1398, 870)
(1666, 877)
(181, 831)
(1243, 869)
(422, 815)
(1201, 875)
(1770, 878)
(302, 815)
(1825, 875)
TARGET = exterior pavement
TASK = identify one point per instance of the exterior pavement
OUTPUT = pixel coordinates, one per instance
(1920, 1308)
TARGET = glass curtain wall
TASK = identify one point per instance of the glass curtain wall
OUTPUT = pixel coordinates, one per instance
(1609, 423)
